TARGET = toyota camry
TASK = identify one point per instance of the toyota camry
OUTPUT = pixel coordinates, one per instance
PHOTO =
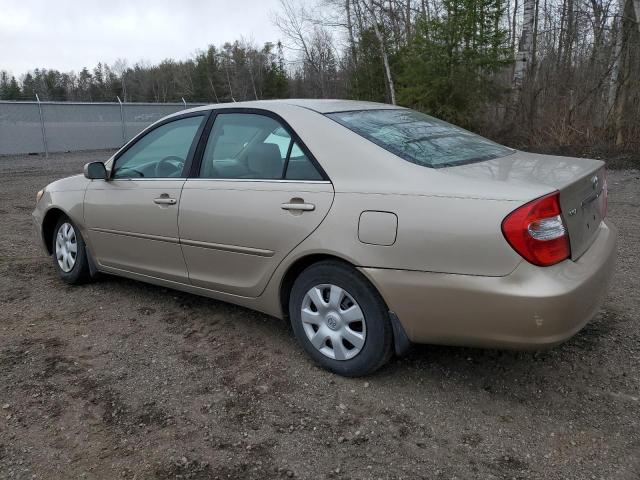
(368, 226)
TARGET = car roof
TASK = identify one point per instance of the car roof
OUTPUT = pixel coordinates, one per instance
(316, 105)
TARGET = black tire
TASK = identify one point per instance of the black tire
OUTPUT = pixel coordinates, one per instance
(378, 344)
(80, 272)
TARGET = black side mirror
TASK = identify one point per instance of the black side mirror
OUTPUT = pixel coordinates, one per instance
(95, 171)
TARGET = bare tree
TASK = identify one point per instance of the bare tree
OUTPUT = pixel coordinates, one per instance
(371, 7)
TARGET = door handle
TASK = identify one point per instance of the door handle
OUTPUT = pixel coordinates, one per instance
(303, 207)
(165, 201)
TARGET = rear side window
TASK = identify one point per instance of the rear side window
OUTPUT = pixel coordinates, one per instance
(419, 138)
(254, 147)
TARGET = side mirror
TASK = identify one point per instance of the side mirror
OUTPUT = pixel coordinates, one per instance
(95, 171)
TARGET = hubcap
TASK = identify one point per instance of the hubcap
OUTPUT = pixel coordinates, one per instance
(333, 322)
(66, 247)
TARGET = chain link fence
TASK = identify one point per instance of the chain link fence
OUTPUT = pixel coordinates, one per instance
(46, 127)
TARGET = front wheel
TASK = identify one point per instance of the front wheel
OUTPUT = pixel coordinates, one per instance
(340, 319)
(69, 255)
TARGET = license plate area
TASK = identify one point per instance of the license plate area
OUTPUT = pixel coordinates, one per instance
(583, 207)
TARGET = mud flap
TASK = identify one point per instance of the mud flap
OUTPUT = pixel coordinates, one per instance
(401, 342)
(93, 268)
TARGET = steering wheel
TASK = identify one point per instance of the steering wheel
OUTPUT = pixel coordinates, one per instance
(169, 166)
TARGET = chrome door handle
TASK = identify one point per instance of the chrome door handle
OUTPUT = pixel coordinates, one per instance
(304, 207)
(165, 201)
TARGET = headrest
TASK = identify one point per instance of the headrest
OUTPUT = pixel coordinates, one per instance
(265, 160)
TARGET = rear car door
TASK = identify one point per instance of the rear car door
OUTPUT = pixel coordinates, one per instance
(132, 218)
(255, 196)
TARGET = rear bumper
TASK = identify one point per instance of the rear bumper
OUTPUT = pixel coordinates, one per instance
(530, 308)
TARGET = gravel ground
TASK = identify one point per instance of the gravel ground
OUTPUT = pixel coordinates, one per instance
(119, 379)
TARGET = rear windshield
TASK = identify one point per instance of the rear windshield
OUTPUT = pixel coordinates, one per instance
(419, 138)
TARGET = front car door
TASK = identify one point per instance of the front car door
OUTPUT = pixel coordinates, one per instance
(256, 195)
(132, 218)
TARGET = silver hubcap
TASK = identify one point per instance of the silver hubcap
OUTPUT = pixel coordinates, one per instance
(66, 247)
(333, 322)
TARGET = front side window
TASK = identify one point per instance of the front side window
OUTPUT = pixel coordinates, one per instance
(254, 147)
(161, 153)
(419, 138)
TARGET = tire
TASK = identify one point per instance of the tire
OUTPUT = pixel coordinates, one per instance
(328, 329)
(72, 267)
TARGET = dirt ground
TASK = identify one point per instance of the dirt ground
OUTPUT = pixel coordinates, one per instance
(119, 379)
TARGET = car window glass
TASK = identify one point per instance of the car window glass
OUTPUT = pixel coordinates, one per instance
(419, 138)
(300, 167)
(281, 140)
(161, 153)
(249, 146)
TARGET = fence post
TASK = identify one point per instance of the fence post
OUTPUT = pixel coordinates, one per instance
(124, 131)
(184, 102)
(44, 133)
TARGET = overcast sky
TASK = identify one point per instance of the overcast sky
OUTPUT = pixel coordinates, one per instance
(68, 35)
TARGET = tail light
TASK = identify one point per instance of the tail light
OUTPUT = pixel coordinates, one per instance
(537, 231)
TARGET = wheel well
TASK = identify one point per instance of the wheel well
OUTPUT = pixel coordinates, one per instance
(401, 341)
(295, 270)
(48, 226)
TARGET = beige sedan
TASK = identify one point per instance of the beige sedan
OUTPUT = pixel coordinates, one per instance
(369, 226)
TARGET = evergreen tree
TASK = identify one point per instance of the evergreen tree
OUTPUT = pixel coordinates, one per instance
(9, 88)
(448, 67)
(275, 83)
(366, 82)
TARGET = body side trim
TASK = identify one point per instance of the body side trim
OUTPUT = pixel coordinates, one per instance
(146, 236)
(228, 248)
(192, 243)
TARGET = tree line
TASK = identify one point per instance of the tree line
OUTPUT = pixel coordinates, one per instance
(531, 73)
(236, 71)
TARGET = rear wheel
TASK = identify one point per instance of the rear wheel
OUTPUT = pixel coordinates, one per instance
(69, 255)
(340, 319)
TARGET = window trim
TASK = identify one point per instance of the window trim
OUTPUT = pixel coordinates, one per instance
(190, 154)
(285, 166)
(194, 174)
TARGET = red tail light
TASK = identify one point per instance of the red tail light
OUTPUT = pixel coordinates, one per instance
(537, 231)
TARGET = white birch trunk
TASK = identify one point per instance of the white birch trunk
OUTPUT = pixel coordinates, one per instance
(383, 52)
(525, 47)
(615, 68)
(352, 40)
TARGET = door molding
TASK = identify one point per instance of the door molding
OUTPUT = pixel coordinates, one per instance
(145, 236)
(229, 248)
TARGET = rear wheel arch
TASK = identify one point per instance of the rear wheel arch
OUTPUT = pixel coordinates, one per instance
(297, 267)
(401, 339)
(372, 318)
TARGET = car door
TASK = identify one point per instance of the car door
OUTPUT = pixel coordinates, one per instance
(132, 218)
(257, 193)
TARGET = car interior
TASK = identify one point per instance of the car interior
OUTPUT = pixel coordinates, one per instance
(240, 147)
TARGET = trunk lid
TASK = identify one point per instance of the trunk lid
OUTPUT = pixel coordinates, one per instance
(581, 183)
(583, 204)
